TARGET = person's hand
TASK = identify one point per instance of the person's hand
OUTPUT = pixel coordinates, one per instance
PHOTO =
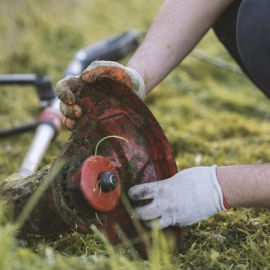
(188, 197)
(67, 87)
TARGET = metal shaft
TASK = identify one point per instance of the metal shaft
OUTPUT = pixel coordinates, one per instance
(43, 136)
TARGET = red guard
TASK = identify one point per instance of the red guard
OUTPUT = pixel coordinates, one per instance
(110, 108)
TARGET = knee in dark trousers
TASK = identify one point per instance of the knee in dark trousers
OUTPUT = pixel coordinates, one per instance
(244, 29)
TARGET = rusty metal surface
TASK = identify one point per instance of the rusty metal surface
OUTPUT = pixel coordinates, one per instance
(110, 108)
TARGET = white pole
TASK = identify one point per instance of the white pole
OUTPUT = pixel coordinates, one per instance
(42, 138)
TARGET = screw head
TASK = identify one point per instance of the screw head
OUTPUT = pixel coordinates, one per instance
(107, 181)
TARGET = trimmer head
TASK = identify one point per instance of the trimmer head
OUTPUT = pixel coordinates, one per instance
(92, 187)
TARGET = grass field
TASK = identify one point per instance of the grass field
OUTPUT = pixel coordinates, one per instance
(209, 115)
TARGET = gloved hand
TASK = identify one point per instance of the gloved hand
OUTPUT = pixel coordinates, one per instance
(188, 197)
(67, 87)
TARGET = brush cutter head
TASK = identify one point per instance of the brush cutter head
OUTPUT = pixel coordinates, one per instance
(91, 188)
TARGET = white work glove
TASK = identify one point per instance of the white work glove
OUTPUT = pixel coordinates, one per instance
(67, 87)
(188, 197)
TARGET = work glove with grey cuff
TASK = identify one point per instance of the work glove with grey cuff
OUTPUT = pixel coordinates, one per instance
(188, 197)
(67, 87)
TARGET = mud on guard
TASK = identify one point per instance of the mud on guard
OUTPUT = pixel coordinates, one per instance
(92, 189)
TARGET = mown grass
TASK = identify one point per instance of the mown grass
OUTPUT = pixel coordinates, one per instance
(210, 116)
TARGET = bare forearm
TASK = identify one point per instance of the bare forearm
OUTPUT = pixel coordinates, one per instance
(177, 28)
(245, 185)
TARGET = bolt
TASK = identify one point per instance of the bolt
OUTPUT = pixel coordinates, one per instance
(107, 181)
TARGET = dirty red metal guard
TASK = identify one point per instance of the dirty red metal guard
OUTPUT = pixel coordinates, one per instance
(110, 108)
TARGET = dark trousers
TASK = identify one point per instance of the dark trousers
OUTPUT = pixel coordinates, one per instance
(244, 29)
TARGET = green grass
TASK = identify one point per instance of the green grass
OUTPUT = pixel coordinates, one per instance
(209, 115)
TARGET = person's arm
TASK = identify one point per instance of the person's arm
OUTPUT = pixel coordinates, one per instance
(177, 28)
(245, 185)
(197, 193)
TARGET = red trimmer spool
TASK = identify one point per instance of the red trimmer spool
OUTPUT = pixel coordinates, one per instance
(100, 183)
